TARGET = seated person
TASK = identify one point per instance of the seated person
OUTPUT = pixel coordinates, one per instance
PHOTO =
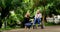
(37, 18)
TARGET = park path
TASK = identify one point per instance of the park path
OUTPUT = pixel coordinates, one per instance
(46, 29)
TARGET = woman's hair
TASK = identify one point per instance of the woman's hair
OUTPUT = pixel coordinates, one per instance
(38, 11)
(27, 14)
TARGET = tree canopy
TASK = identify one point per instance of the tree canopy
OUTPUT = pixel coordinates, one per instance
(20, 7)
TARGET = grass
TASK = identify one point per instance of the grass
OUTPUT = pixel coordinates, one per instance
(51, 24)
(8, 28)
(46, 24)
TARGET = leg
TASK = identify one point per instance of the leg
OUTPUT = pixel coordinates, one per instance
(39, 20)
(25, 27)
(34, 21)
(34, 24)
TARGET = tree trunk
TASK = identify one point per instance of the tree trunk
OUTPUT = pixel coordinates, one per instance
(43, 16)
(42, 26)
(4, 13)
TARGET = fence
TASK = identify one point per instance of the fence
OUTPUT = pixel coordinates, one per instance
(55, 20)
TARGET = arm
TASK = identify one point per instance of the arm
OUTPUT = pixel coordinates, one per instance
(36, 16)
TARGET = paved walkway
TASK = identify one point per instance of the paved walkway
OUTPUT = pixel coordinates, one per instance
(47, 29)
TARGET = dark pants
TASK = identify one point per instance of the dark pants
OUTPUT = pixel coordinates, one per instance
(28, 25)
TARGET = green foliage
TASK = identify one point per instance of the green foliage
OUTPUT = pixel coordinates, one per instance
(20, 7)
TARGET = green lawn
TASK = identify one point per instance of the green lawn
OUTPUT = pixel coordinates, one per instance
(9, 28)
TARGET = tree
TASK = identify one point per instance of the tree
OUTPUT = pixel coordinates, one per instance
(20, 7)
(7, 6)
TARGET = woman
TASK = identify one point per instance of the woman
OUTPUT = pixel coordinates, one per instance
(26, 20)
(37, 18)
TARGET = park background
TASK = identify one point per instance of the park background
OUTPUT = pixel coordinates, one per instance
(12, 11)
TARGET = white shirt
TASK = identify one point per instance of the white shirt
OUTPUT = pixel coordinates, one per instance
(38, 15)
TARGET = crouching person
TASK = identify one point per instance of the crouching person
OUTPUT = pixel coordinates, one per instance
(27, 23)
